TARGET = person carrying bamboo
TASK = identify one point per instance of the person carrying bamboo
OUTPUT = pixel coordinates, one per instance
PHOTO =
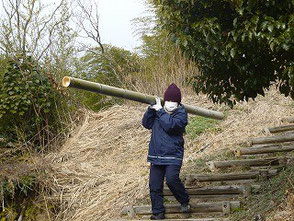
(166, 150)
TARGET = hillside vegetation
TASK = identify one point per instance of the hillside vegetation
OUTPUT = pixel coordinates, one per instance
(103, 167)
(68, 154)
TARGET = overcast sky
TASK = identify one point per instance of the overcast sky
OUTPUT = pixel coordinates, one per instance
(115, 21)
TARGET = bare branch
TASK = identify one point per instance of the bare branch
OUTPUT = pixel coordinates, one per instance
(28, 26)
(8, 30)
(51, 31)
(17, 10)
(47, 47)
(4, 50)
(45, 25)
(92, 18)
(31, 10)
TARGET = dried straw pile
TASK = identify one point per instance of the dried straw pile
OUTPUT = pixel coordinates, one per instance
(103, 166)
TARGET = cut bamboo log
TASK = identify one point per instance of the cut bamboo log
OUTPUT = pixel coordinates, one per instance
(238, 182)
(273, 144)
(180, 216)
(206, 207)
(289, 120)
(132, 95)
(273, 139)
(263, 150)
(278, 167)
(213, 165)
(230, 176)
(280, 128)
(286, 132)
(201, 219)
(204, 198)
(215, 190)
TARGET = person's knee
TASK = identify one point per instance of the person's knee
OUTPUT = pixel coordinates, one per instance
(155, 187)
(172, 179)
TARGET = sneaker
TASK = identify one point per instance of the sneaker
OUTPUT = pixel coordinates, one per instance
(157, 216)
(185, 208)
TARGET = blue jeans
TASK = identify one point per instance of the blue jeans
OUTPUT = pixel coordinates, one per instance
(156, 178)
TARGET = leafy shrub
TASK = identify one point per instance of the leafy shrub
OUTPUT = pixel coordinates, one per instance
(241, 46)
(28, 103)
(22, 185)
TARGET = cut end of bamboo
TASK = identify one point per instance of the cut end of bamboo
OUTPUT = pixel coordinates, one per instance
(211, 165)
(66, 81)
(237, 153)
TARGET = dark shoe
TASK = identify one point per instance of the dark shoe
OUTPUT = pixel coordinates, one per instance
(157, 216)
(185, 208)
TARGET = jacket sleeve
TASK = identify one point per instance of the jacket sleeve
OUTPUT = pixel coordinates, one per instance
(173, 123)
(148, 118)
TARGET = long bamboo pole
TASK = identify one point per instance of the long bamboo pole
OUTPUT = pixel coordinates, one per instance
(132, 95)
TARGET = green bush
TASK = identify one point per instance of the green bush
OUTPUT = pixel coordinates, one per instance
(23, 185)
(241, 46)
(28, 103)
(16, 193)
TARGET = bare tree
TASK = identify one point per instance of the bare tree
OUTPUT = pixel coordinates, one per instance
(30, 27)
(87, 19)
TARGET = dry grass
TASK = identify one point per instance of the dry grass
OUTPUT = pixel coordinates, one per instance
(285, 211)
(245, 121)
(158, 72)
(103, 167)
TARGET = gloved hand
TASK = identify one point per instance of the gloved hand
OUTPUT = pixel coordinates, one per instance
(156, 106)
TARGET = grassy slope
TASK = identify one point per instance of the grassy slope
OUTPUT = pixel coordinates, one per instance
(275, 201)
(276, 194)
(103, 166)
(276, 198)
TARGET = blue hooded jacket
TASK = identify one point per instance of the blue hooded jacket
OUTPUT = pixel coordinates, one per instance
(166, 146)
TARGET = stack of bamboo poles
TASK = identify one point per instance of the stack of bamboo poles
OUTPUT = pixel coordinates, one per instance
(282, 141)
(217, 201)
